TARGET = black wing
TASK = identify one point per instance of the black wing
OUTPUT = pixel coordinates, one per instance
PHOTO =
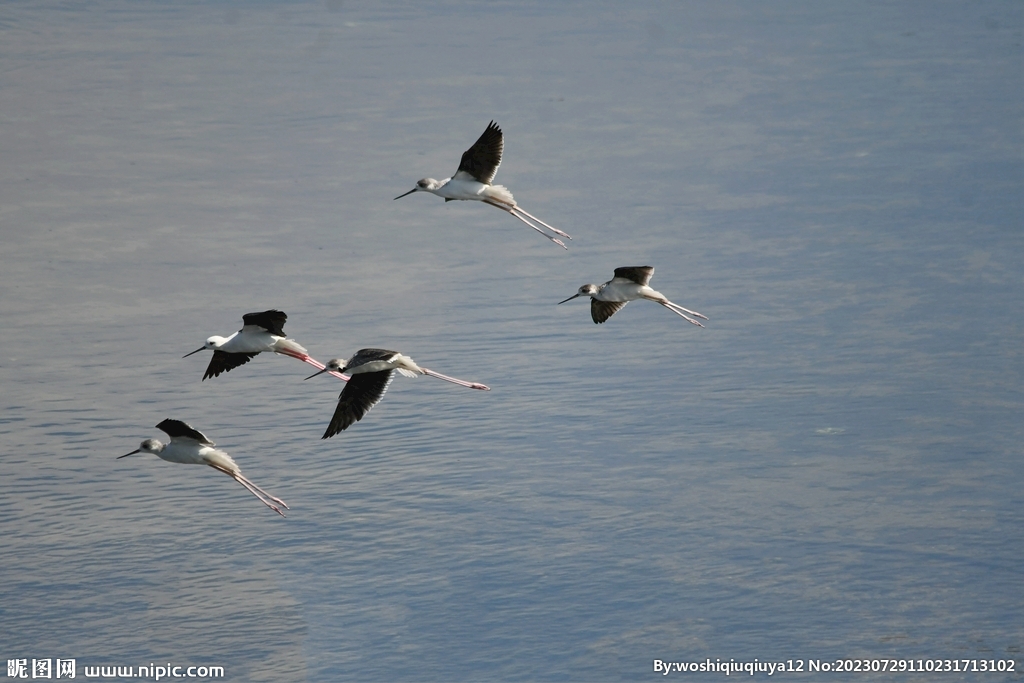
(177, 428)
(364, 356)
(602, 310)
(641, 275)
(223, 361)
(363, 391)
(482, 159)
(272, 321)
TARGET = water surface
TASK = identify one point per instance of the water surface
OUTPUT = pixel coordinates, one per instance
(830, 469)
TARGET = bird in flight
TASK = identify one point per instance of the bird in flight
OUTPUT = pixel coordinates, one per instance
(191, 447)
(371, 373)
(629, 284)
(263, 331)
(473, 182)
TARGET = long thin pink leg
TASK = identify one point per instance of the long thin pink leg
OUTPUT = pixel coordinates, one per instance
(453, 380)
(549, 227)
(251, 488)
(681, 314)
(507, 208)
(687, 310)
(248, 483)
(553, 239)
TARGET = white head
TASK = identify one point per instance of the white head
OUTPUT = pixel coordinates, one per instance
(333, 365)
(585, 290)
(213, 343)
(424, 185)
(148, 446)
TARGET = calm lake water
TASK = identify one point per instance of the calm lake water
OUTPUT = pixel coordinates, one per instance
(831, 469)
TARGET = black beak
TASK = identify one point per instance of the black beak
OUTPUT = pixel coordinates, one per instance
(406, 194)
(201, 348)
(137, 450)
(317, 373)
(569, 299)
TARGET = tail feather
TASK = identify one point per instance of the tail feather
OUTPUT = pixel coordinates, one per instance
(220, 460)
(501, 193)
(290, 347)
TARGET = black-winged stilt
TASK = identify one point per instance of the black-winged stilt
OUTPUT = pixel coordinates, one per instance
(371, 372)
(260, 332)
(629, 284)
(473, 182)
(191, 447)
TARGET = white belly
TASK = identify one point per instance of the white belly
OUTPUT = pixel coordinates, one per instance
(457, 188)
(249, 342)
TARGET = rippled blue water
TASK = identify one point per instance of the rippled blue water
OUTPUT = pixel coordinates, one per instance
(831, 469)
